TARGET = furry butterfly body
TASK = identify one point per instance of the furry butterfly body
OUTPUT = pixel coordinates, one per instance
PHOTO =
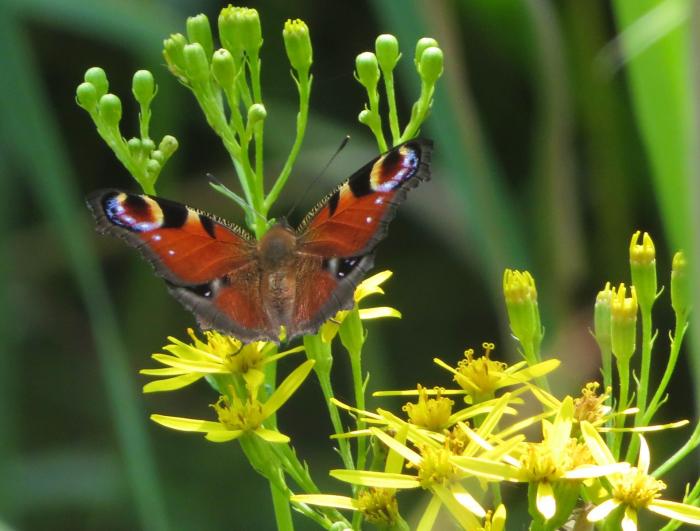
(292, 278)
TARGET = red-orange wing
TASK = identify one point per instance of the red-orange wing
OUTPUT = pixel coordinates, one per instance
(210, 267)
(354, 218)
(337, 239)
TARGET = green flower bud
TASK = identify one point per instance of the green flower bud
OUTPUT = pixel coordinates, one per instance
(158, 156)
(431, 63)
(223, 68)
(196, 64)
(98, 78)
(367, 70)
(148, 145)
(86, 96)
(520, 295)
(168, 146)
(602, 318)
(174, 53)
(387, 49)
(135, 147)
(352, 333)
(297, 43)
(680, 287)
(239, 30)
(153, 167)
(110, 107)
(144, 87)
(365, 117)
(643, 269)
(623, 332)
(422, 45)
(250, 30)
(256, 113)
(199, 31)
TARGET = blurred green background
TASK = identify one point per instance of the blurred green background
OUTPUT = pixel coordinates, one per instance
(560, 128)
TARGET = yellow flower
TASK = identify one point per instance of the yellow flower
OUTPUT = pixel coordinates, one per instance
(481, 377)
(555, 461)
(369, 286)
(633, 488)
(240, 413)
(218, 354)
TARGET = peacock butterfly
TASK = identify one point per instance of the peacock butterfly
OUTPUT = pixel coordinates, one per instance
(292, 278)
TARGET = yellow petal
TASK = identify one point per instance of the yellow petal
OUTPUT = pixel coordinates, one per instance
(399, 448)
(171, 384)
(644, 457)
(546, 503)
(380, 480)
(204, 367)
(271, 436)
(165, 371)
(370, 285)
(488, 469)
(429, 515)
(223, 436)
(599, 450)
(467, 500)
(465, 518)
(326, 500)
(379, 312)
(185, 424)
(592, 471)
(678, 511)
(629, 520)
(602, 510)
(286, 389)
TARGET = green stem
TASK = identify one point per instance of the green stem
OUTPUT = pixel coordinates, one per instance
(283, 510)
(359, 389)
(606, 358)
(419, 112)
(676, 342)
(692, 443)
(647, 344)
(304, 87)
(391, 101)
(343, 444)
(623, 369)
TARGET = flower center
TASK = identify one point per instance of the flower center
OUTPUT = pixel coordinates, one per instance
(378, 507)
(239, 415)
(431, 413)
(436, 468)
(480, 375)
(637, 489)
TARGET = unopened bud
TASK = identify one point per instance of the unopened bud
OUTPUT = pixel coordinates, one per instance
(153, 167)
(602, 318)
(256, 113)
(365, 117)
(168, 145)
(86, 96)
(367, 70)
(98, 78)
(134, 145)
(387, 49)
(520, 294)
(680, 287)
(196, 64)
(422, 45)
(143, 87)
(223, 68)
(643, 269)
(297, 44)
(174, 53)
(110, 108)
(431, 65)
(623, 331)
(199, 31)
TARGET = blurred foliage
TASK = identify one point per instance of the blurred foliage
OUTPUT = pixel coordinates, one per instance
(560, 129)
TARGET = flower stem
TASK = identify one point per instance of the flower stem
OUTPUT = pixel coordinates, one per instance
(283, 511)
(304, 87)
(647, 344)
(623, 369)
(691, 444)
(391, 100)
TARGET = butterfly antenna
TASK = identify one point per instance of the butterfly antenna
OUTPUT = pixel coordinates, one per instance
(320, 174)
